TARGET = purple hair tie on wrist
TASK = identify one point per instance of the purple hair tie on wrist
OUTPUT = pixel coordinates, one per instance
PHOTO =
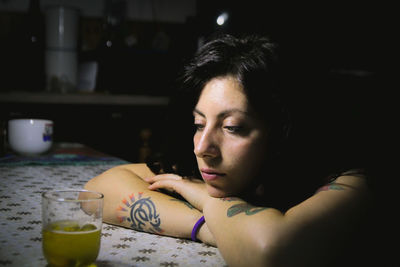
(196, 227)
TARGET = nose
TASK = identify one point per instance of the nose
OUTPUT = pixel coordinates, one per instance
(206, 143)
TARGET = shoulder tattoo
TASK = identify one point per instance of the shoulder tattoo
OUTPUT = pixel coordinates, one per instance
(331, 186)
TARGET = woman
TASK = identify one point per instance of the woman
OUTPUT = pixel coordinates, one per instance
(259, 209)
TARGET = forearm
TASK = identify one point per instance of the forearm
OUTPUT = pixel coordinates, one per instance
(305, 235)
(128, 203)
(242, 232)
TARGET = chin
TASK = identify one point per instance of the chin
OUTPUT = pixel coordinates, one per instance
(216, 192)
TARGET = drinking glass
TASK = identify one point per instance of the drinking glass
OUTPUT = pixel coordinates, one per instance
(71, 230)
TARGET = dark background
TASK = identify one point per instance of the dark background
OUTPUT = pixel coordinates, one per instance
(341, 55)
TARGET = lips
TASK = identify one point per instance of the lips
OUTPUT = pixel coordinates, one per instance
(209, 174)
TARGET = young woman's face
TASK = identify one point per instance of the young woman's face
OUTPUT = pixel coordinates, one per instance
(229, 142)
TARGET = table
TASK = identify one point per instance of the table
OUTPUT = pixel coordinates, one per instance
(23, 179)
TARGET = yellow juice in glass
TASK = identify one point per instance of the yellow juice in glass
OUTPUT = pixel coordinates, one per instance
(65, 243)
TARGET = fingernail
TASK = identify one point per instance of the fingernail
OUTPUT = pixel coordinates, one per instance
(150, 187)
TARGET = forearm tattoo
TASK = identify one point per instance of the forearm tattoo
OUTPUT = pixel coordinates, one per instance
(243, 207)
(141, 213)
(229, 199)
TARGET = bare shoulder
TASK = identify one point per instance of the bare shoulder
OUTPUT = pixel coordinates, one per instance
(327, 220)
(347, 193)
(354, 178)
(351, 181)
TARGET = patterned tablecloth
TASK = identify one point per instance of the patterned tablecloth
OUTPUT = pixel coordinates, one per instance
(22, 180)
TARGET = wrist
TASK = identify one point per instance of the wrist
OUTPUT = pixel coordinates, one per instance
(204, 235)
(196, 228)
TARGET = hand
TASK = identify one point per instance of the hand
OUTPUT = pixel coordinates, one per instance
(193, 190)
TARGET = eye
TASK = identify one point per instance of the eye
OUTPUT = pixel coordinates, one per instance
(198, 126)
(234, 129)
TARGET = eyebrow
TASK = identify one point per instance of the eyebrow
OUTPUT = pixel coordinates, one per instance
(224, 113)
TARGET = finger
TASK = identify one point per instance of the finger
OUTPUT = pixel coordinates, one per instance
(172, 185)
(164, 176)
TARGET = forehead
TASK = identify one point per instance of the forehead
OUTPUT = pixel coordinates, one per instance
(223, 93)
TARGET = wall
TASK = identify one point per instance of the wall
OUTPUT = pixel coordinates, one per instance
(175, 11)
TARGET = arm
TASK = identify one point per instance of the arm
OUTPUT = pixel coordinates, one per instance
(129, 203)
(306, 235)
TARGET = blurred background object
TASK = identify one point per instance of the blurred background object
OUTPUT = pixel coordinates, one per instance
(61, 56)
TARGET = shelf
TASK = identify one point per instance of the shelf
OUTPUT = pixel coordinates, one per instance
(83, 98)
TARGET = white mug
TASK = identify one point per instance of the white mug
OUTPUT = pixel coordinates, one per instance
(30, 136)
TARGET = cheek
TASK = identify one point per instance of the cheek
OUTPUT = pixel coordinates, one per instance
(241, 153)
(246, 155)
(196, 138)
